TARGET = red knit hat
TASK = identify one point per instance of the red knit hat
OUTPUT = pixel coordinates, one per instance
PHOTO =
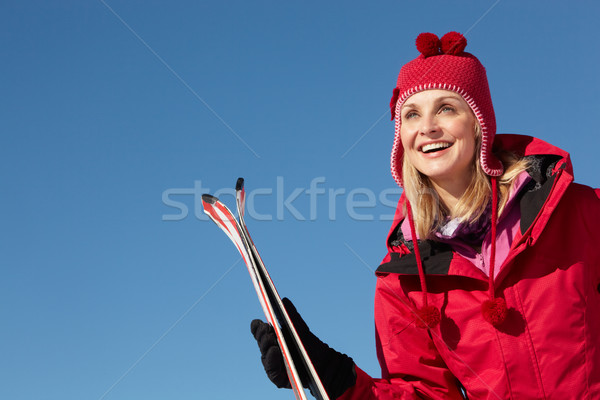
(443, 64)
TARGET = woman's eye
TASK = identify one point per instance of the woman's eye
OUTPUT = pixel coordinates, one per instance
(447, 109)
(410, 114)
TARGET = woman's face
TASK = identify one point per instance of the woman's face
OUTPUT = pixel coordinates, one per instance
(438, 136)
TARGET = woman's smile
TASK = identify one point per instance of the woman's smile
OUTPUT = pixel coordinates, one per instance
(435, 147)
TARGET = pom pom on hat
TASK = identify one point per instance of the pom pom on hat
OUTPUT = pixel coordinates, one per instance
(494, 311)
(428, 317)
(428, 44)
(453, 43)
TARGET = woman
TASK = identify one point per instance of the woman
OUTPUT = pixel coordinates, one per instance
(501, 297)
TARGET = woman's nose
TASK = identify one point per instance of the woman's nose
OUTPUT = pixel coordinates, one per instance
(428, 125)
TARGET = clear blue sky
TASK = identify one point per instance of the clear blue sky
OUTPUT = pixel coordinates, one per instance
(110, 107)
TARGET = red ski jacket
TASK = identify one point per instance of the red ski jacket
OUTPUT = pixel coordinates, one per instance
(549, 345)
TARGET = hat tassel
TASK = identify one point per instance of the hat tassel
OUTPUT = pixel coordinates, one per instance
(494, 309)
(428, 316)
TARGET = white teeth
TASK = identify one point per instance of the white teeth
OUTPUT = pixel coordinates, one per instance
(434, 146)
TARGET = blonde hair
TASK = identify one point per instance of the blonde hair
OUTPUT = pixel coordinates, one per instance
(429, 212)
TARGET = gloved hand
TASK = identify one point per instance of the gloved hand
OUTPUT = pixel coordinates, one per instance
(336, 370)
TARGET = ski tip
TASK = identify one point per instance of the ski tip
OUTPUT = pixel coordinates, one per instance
(207, 198)
(239, 185)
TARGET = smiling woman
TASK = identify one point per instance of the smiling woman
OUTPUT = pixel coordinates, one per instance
(468, 303)
(441, 171)
(438, 136)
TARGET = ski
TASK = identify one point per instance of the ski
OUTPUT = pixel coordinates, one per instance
(314, 383)
(270, 300)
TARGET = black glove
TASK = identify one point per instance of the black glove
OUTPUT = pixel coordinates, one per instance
(270, 353)
(336, 370)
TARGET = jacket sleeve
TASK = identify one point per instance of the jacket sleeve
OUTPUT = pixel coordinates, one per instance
(411, 366)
